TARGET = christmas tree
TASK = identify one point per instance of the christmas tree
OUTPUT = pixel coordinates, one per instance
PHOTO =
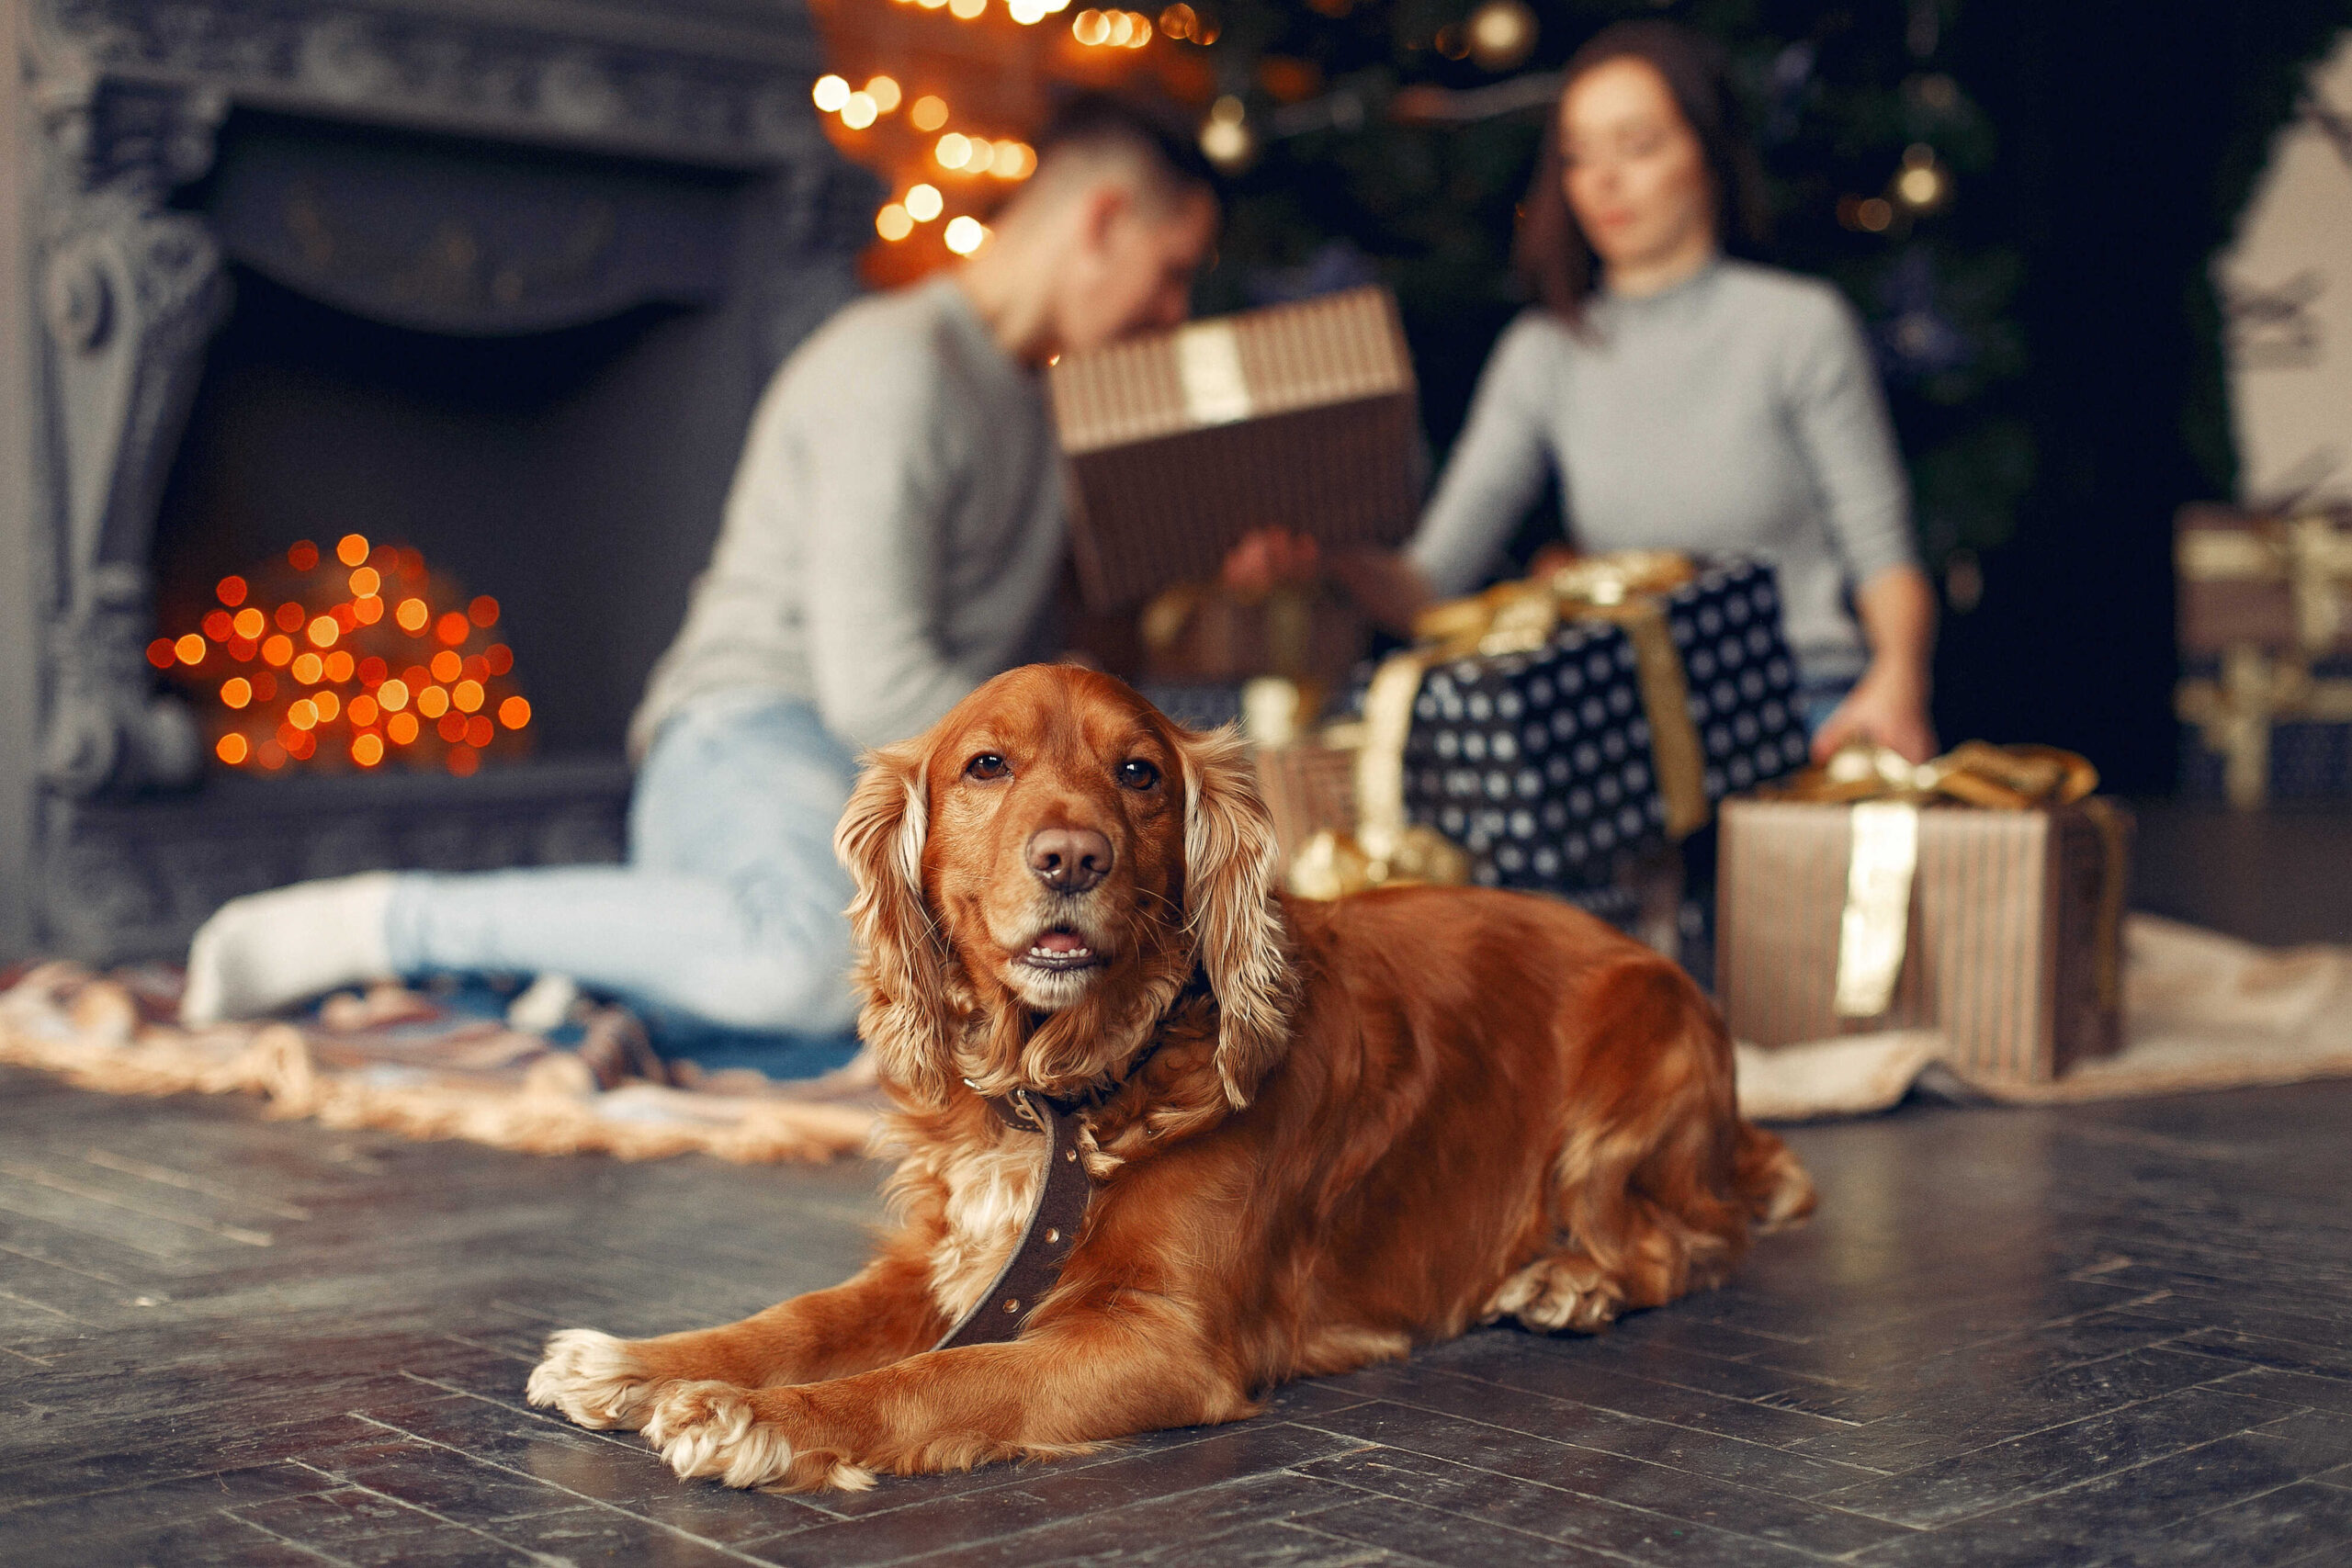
(1393, 140)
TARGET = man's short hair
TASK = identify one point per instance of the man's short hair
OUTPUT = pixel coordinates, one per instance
(1100, 125)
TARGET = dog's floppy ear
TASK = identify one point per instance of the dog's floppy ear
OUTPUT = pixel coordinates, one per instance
(1231, 868)
(902, 962)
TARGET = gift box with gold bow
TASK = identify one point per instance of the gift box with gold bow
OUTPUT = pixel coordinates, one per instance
(2266, 644)
(1980, 894)
(1545, 730)
(1300, 416)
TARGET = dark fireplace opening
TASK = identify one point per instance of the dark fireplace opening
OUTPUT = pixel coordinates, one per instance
(575, 472)
(549, 471)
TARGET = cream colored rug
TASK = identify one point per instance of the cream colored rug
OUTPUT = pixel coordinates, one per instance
(391, 1059)
(2200, 1010)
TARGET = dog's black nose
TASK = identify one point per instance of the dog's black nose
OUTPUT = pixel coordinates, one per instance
(1069, 859)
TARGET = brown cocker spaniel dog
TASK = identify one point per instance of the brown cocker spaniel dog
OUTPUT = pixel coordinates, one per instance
(1320, 1134)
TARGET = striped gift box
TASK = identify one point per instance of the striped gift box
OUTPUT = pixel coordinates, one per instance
(2009, 948)
(1298, 416)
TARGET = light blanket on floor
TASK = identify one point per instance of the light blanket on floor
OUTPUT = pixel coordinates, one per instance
(2202, 1012)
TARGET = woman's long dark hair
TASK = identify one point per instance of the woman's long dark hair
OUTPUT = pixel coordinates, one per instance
(1551, 254)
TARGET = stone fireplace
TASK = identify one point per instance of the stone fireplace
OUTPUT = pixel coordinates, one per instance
(499, 279)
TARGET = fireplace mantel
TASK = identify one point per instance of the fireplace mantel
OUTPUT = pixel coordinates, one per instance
(109, 293)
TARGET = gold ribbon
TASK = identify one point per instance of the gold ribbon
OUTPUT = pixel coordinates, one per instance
(2311, 555)
(1621, 587)
(1886, 792)
(1289, 615)
(1384, 849)
(2235, 713)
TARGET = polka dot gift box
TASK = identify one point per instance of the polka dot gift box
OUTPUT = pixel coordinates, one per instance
(1543, 762)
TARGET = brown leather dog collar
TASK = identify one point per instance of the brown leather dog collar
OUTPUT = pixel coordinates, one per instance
(1037, 1264)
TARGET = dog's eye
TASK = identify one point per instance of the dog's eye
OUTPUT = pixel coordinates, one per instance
(1136, 773)
(987, 765)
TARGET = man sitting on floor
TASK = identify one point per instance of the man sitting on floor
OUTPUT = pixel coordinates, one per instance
(891, 541)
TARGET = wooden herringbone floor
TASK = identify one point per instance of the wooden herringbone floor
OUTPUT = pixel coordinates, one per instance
(2107, 1335)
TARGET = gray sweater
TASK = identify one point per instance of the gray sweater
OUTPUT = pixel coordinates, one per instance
(892, 534)
(1735, 410)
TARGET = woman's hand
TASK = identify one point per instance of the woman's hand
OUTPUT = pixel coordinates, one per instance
(1386, 585)
(1889, 703)
(1889, 706)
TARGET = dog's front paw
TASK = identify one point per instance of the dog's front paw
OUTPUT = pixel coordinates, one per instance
(1566, 1289)
(737, 1436)
(592, 1378)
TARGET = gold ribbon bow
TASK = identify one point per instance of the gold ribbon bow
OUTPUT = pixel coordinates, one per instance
(1511, 617)
(1886, 792)
(2311, 555)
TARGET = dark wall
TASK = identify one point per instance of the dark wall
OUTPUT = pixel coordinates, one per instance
(2129, 137)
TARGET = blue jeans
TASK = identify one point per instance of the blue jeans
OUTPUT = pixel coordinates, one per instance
(730, 908)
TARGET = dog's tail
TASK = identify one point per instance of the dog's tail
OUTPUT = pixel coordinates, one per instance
(1770, 1181)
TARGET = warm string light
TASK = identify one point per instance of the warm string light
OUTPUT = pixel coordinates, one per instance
(1180, 21)
(349, 693)
(1112, 29)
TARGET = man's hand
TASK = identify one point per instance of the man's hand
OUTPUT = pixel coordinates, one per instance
(1271, 558)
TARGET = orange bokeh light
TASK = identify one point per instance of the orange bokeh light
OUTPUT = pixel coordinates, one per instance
(327, 706)
(160, 653)
(452, 628)
(189, 649)
(323, 631)
(452, 728)
(368, 610)
(291, 616)
(412, 615)
(351, 550)
(468, 695)
(236, 693)
(277, 651)
(447, 666)
(363, 710)
(394, 694)
(514, 713)
(499, 657)
(302, 714)
(433, 702)
(368, 749)
(365, 581)
(232, 749)
(340, 665)
(401, 727)
(478, 731)
(308, 669)
(483, 611)
(218, 626)
(231, 591)
(249, 623)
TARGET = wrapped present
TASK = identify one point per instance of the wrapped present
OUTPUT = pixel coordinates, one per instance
(1980, 894)
(1202, 633)
(1548, 728)
(2266, 638)
(2281, 585)
(1309, 787)
(1301, 417)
